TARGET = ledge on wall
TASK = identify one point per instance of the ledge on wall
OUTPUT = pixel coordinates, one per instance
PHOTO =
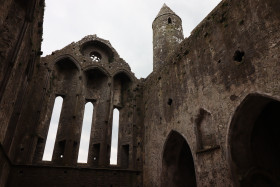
(210, 149)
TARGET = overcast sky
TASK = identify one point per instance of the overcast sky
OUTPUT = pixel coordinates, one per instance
(127, 24)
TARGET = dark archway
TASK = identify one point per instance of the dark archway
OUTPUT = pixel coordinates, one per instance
(255, 142)
(177, 164)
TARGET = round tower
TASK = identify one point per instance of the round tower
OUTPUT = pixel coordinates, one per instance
(167, 33)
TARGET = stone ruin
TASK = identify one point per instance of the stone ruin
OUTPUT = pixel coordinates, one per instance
(208, 114)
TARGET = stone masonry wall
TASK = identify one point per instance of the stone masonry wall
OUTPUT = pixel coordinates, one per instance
(20, 38)
(108, 84)
(233, 52)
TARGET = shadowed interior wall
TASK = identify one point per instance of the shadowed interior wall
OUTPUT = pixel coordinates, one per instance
(20, 49)
(18, 61)
(71, 177)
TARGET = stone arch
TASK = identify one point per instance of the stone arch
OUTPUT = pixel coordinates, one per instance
(122, 94)
(67, 58)
(99, 68)
(97, 88)
(177, 162)
(65, 75)
(126, 73)
(254, 142)
(96, 79)
(64, 81)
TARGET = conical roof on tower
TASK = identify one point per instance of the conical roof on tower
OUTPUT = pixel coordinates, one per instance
(165, 10)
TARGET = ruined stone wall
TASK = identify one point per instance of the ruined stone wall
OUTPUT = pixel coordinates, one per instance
(231, 59)
(107, 84)
(20, 38)
(232, 53)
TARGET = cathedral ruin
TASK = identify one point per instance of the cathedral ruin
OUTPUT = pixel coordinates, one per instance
(208, 114)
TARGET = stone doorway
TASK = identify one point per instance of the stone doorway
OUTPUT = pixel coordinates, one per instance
(254, 142)
(177, 165)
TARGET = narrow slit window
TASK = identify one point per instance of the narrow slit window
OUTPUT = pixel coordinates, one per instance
(115, 136)
(169, 21)
(85, 136)
(48, 152)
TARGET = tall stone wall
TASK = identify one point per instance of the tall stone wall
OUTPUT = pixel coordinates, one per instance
(20, 40)
(78, 78)
(232, 53)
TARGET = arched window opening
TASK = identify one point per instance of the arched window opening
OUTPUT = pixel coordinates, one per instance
(48, 152)
(169, 21)
(115, 137)
(85, 135)
(95, 56)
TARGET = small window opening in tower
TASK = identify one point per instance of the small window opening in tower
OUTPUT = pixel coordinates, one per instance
(115, 136)
(169, 21)
(238, 56)
(48, 152)
(95, 56)
(85, 135)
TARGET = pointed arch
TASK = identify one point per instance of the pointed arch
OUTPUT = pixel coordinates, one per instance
(177, 162)
(124, 79)
(124, 73)
(65, 70)
(65, 60)
(96, 78)
(253, 141)
(65, 81)
(66, 63)
(97, 69)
